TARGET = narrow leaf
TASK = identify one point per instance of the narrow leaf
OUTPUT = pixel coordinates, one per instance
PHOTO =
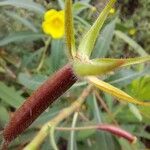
(127, 62)
(10, 96)
(61, 3)
(4, 116)
(125, 76)
(69, 28)
(31, 82)
(132, 43)
(92, 68)
(104, 40)
(97, 113)
(57, 52)
(135, 111)
(115, 91)
(87, 44)
(22, 20)
(78, 7)
(20, 37)
(27, 4)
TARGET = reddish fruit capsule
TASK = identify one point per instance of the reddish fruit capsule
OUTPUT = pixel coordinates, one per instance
(46, 94)
(117, 131)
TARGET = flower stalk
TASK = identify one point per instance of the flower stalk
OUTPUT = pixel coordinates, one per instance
(104, 127)
(46, 94)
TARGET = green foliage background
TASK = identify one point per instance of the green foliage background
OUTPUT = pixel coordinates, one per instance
(22, 43)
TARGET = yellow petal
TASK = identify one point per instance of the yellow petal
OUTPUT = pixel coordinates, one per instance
(50, 30)
(54, 23)
(46, 28)
(57, 33)
(61, 13)
(115, 91)
(49, 14)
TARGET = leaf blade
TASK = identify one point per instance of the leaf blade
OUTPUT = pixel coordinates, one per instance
(24, 4)
(104, 40)
(87, 44)
(127, 62)
(10, 96)
(69, 28)
(22, 20)
(131, 42)
(135, 111)
(115, 91)
(20, 37)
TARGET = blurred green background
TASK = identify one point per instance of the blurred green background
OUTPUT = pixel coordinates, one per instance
(22, 44)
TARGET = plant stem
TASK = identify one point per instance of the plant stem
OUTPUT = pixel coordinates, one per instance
(104, 105)
(72, 133)
(76, 128)
(105, 127)
(66, 112)
(43, 54)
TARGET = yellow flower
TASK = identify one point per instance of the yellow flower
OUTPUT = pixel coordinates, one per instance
(112, 11)
(53, 23)
(132, 31)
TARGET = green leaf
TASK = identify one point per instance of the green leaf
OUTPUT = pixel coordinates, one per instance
(126, 62)
(132, 43)
(92, 68)
(61, 3)
(4, 116)
(84, 134)
(57, 52)
(103, 42)
(31, 82)
(25, 137)
(87, 44)
(122, 96)
(135, 111)
(125, 76)
(100, 137)
(22, 20)
(69, 28)
(124, 144)
(82, 22)
(141, 87)
(96, 111)
(20, 37)
(143, 134)
(145, 111)
(10, 96)
(2, 70)
(78, 7)
(27, 4)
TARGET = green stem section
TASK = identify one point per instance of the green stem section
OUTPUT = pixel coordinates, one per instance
(43, 54)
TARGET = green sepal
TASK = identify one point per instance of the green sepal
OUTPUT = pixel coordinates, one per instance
(92, 68)
(127, 61)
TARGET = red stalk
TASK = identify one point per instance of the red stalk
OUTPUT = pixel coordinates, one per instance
(118, 131)
(46, 94)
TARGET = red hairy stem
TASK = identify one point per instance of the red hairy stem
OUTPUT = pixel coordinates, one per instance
(118, 131)
(46, 94)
